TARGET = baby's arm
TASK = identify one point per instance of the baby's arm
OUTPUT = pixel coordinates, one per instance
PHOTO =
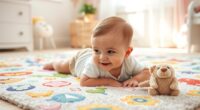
(140, 77)
(87, 81)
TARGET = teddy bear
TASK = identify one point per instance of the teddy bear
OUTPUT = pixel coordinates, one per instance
(162, 81)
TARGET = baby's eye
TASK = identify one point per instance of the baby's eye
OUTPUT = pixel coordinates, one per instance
(96, 51)
(110, 52)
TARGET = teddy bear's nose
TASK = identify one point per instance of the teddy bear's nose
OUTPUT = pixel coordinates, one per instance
(163, 69)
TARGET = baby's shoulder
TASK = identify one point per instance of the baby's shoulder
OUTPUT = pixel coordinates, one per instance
(130, 59)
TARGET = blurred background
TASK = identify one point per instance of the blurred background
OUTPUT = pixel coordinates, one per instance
(54, 24)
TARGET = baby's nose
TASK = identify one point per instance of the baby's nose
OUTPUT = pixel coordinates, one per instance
(163, 69)
(103, 57)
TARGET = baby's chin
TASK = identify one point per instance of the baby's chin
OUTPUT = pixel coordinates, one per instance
(105, 68)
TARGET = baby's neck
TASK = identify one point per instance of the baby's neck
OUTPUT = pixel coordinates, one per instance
(116, 72)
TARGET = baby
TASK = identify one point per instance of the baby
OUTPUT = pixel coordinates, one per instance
(108, 62)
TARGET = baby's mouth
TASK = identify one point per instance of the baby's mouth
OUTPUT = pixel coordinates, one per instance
(105, 64)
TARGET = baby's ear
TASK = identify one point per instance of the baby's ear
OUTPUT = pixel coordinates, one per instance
(128, 51)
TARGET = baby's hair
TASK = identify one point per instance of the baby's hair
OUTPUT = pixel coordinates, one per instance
(115, 25)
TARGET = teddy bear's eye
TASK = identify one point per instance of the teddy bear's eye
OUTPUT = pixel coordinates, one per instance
(158, 67)
(168, 67)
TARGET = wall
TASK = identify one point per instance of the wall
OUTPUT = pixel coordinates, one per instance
(58, 13)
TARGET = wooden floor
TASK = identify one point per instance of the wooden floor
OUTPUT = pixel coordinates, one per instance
(7, 106)
(13, 53)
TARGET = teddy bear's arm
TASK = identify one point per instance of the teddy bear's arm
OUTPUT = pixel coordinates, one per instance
(152, 82)
(174, 84)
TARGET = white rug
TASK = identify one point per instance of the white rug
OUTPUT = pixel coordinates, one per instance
(25, 84)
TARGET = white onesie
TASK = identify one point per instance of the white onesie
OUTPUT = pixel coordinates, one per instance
(84, 65)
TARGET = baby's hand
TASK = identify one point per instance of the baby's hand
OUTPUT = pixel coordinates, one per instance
(115, 84)
(130, 83)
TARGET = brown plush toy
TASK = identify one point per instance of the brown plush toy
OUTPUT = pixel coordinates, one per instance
(162, 81)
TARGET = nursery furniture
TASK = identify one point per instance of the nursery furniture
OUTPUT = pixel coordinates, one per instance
(15, 24)
(193, 22)
(80, 33)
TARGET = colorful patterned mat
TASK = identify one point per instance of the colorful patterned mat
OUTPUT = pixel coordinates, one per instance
(24, 83)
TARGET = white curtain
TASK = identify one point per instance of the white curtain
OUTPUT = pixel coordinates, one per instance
(107, 8)
(155, 22)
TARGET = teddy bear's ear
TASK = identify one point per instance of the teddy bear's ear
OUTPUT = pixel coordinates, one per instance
(152, 68)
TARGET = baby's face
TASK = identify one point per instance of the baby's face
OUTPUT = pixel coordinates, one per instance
(108, 52)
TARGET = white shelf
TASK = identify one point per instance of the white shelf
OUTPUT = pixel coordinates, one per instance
(15, 24)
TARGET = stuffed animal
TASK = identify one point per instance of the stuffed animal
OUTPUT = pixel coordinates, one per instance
(43, 30)
(162, 81)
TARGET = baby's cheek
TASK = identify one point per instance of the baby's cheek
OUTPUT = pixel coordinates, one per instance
(118, 61)
(95, 60)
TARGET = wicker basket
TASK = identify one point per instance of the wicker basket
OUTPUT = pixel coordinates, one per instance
(80, 33)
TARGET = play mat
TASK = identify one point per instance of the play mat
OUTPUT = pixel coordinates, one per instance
(25, 84)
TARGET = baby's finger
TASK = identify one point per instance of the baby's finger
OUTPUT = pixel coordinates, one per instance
(136, 84)
(125, 84)
(130, 85)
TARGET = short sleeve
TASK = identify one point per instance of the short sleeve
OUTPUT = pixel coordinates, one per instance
(90, 70)
(137, 67)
